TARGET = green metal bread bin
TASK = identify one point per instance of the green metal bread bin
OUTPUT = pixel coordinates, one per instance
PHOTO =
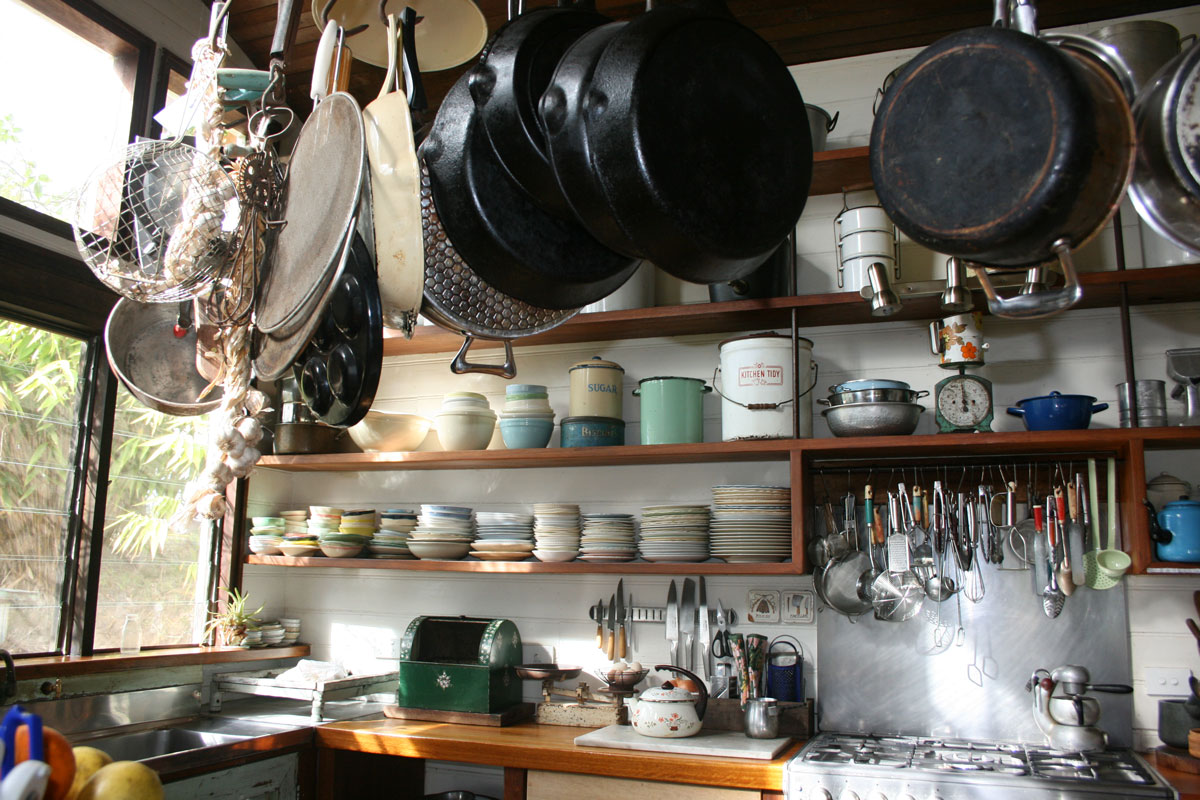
(460, 664)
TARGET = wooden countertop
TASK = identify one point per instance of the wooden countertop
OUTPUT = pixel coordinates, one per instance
(1187, 784)
(532, 746)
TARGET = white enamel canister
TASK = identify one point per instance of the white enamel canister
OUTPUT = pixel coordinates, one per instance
(596, 388)
(864, 235)
(755, 384)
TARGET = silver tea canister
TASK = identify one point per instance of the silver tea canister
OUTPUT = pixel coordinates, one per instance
(762, 718)
(1143, 401)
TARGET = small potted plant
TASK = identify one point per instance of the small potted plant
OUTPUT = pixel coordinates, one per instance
(231, 624)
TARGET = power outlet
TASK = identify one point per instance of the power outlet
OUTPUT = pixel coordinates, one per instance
(1168, 681)
(797, 608)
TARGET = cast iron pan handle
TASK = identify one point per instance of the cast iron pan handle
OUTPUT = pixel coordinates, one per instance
(1158, 534)
(460, 365)
(1037, 304)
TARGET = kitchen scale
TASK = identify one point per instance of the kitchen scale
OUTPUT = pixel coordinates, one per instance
(582, 707)
(962, 403)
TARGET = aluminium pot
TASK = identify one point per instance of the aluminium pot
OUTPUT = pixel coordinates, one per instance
(873, 396)
(672, 410)
(1057, 411)
(820, 124)
(873, 419)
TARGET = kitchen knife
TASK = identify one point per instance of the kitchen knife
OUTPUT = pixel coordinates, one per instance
(621, 618)
(687, 621)
(629, 623)
(611, 642)
(672, 624)
(598, 610)
(705, 665)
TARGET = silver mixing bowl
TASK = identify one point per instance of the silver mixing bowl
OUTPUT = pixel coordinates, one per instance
(873, 419)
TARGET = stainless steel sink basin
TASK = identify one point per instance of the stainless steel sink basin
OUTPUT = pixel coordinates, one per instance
(190, 735)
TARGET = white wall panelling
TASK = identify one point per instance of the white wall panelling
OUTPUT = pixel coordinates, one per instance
(363, 611)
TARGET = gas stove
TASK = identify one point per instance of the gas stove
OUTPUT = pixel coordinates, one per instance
(837, 766)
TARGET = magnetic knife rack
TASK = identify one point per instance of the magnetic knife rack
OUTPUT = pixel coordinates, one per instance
(659, 614)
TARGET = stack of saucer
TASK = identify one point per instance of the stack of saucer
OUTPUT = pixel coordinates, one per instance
(442, 533)
(751, 524)
(295, 521)
(502, 536)
(266, 534)
(272, 634)
(306, 541)
(556, 531)
(291, 630)
(674, 533)
(391, 540)
(607, 538)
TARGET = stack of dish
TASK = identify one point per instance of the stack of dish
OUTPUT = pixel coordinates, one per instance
(443, 533)
(502, 536)
(526, 421)
(295, 521)
(556, 531)
(391, 540)
(252, 638)
(354, 532)
(465, 421)
(272, 634)
(291, 630)
(674, 533)
(607, 538)
(307, 542)
(872, 407)
(751, 524)
(266, 534)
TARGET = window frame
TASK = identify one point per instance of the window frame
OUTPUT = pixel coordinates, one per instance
(56, 292)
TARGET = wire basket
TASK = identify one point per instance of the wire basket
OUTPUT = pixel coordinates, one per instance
(156, 223)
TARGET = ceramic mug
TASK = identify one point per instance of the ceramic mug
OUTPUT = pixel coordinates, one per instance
(958, 340)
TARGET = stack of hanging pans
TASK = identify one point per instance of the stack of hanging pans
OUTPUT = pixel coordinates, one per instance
(577, 147)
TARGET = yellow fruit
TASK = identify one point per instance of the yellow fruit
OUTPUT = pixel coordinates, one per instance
(87, 761)
(123, 780)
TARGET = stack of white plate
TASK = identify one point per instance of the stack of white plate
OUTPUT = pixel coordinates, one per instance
(607, 538)
(442, 533)
(391, 540)
(556, 531)
(295, 521)
(674, 533)
(502, 536)
(291, 630)
(751, 524)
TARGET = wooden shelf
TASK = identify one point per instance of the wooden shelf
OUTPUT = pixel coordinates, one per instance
(835, 169)
(1101, 290)
(63, 666)
(532, 567)
(1172, 568)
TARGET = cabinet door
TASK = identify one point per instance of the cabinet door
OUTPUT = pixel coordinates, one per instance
(557, 785)
(272, 779)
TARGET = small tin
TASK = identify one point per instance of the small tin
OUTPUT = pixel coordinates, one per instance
(596, 387)
(592, 432)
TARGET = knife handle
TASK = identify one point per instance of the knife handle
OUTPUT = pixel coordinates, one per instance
(610, 645)
(621, 640)
(599, 635)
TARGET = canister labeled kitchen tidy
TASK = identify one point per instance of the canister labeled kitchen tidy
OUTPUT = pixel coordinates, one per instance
(756, 383)
(596, 387)
(672, 409)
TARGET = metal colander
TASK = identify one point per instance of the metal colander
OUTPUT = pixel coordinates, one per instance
(156, 221)
(458, 299)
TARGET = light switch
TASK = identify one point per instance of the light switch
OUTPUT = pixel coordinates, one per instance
(1168, 681)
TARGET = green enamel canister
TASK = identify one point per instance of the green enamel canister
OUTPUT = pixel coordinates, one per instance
(460, 664)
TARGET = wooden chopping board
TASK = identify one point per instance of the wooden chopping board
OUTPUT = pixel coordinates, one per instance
(1175, 758)
(724, 744)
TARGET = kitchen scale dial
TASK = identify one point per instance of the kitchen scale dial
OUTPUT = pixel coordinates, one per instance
(963, 403)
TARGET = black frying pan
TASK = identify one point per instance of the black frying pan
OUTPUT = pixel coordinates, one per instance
(506, 238)
(508, 82)
(699, 139)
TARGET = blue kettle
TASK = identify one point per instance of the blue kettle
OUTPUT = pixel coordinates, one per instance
(1182, 519)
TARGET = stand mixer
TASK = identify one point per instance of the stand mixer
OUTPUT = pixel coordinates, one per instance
(1069, 719)
(1183, 365)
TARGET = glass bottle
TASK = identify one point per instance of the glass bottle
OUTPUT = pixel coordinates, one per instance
(131, 635)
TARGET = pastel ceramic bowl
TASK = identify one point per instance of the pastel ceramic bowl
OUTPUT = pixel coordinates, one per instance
(298, 550)
(526, 433)
(465, 430)
(440, 551)
(340, 550)
(388, 432)
(524, 388)
(512, 398)
(540, 405)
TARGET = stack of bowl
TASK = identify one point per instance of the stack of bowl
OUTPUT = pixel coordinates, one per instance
(266, 534)
(323, 521)
(272, 634)
(294, 521)
(872, 407)
(354, 532)
(291, 630)
(527, 420)
(465, 421)
(443, 533)
(299, 542)
(391, 540)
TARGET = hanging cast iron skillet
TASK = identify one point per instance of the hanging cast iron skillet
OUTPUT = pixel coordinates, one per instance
(996, 147)
(698, 137)
(508, 82)
(509, 240)
(338, 370)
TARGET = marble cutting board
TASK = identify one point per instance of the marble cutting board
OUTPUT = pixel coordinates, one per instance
(726, 744)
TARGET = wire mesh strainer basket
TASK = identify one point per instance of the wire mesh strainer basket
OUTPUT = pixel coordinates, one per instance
(156, 222)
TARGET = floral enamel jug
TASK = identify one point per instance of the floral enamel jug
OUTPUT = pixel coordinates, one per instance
(669, 711)
(958, 340)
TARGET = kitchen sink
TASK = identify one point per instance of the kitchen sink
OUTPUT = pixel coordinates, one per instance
(189, 735)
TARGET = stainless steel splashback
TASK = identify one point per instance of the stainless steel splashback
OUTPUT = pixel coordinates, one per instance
(899, 678)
